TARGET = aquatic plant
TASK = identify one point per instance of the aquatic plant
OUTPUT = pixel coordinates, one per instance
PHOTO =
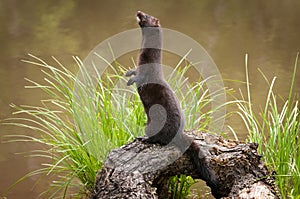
(81, 122)
(276, 129)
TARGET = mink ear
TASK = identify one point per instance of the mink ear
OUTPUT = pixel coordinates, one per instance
(157, 22)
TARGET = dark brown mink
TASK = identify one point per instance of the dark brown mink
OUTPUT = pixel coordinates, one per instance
(165, 118)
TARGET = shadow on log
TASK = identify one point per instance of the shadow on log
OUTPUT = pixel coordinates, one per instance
(141, 170)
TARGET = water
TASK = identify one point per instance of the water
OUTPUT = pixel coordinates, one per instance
(267, 30)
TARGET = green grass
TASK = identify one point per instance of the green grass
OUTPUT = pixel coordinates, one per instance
(276, 130)
(77, 132)
(84, 118)
(179, 186)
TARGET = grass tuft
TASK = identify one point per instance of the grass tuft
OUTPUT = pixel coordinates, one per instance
(276, 130)
(86, 116)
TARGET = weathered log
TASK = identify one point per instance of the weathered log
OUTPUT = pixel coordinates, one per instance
(141, 170)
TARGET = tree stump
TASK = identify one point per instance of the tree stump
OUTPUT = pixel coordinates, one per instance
(142, 170)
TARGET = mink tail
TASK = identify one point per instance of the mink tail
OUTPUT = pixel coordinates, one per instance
(205, 172)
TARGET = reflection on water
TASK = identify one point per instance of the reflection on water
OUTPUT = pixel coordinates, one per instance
(268, 31)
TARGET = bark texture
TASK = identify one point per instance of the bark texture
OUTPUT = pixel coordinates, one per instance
(141, 170)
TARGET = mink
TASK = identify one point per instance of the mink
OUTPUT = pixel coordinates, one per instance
(165, 118)
(164, 115)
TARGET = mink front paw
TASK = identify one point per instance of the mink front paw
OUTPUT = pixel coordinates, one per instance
(130, 73)
(131, 81)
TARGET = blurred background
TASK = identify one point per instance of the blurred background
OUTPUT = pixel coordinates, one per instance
(267, 30)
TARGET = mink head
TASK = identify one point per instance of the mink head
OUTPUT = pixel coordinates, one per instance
(146, 20)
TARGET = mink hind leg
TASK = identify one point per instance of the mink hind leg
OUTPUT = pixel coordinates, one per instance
(158, 138)
(156, 129)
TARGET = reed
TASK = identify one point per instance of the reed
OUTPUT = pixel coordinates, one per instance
(81, 122)
(276, 130)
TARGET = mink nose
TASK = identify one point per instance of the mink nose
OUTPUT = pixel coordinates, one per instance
(140, 14)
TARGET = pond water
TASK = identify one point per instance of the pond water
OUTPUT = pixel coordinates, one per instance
(267, 30)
